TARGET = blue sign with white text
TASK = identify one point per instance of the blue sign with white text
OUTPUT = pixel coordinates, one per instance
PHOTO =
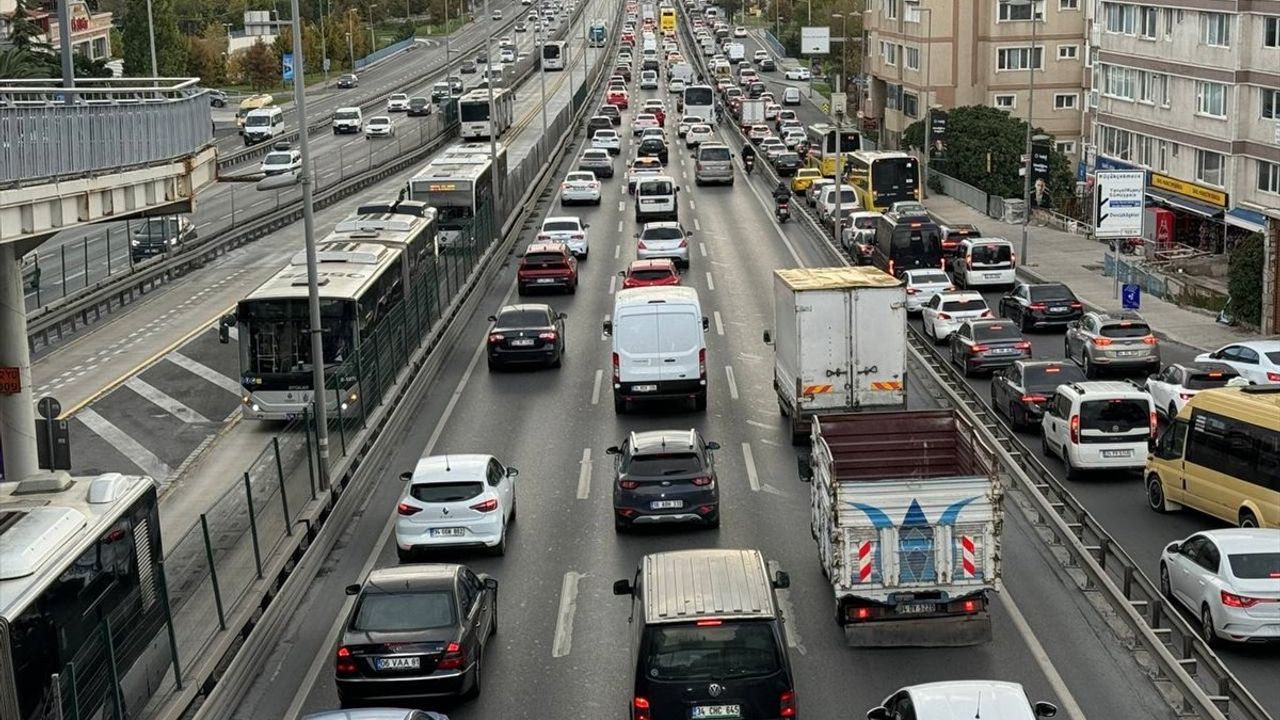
(1131, 296)
(286, 61)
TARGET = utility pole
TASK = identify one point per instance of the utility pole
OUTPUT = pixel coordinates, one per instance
(151, 30)
(493, 136)
(1026, 180)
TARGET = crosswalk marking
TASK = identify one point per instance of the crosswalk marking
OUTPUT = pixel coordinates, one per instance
(122, 441)
(205, 372)
(169, 404)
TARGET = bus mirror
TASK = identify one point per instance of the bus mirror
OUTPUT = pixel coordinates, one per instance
(224, 334)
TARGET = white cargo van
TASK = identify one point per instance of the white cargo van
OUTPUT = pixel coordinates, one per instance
(659, 349)
(263, 124)
(656, 199)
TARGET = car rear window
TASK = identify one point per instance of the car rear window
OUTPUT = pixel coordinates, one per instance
(1116, 415)
(992, 253)
(399, 612)
(1047, 378)
(964, 305)
(719, 154)
(663, 464)
(1255, 566)
(1274, 357)
(522, 318)
(996, 331)
(1042, 293)
(650, 274)
(544, 259)
(560, 226)
(662, 233)
(1126, 330)
(656, 188)
(712, 652)
(445, 492)
(931, 276)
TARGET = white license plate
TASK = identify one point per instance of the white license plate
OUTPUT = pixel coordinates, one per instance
(666, 504)
(707, 712)
(447, 532)
(1003, 351)
(916, 608)
(644, 388)
(1117, 453)
(522, 342)
(991, 276)
(397, 663)
(546, 281)
(1058, 310)
(1127, 353)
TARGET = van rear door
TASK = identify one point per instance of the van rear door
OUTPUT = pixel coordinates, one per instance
(636, 332)
(679, 342)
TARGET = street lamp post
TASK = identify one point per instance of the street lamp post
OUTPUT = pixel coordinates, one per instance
(844, 51)
(351, 53)
(493, 136)
(1031, 89)
(373, 41)
(324, 46)
(446, 34)
(542, 77)
(151, 30)
(837, 220)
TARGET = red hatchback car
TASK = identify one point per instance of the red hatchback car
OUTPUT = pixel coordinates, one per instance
(650, 273)
(547, 265)
(618, 98)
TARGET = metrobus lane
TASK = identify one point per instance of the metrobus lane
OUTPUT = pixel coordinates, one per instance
(563, 636)
(151, 390)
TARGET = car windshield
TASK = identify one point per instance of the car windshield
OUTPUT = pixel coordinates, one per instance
(445, 492)
(401, 612)
(1116, 415)
(662, 233)
(1042, 293)
(522, 319)
(662, 465)
(1126, 330)
(964, 305)
(917, 278)
(157, 227)
(277, 158)
(257, 120)
(1206, 380)
(996, 332)
(561, 226)
(1046, 378)
(346, 114)
(1255, 566)
(712, 652)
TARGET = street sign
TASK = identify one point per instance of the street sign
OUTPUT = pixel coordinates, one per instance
(49, 408)
(1119, 199)
(286, 62)
(815, 40)
(1131, 296)
(839, 102)
(53, 444)
(10, 380)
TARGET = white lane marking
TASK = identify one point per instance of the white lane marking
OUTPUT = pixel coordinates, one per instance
(595, 388)
(122, 441)
(169, 404)
(733, 384)
(613, 283)
(702, 248)
(711, 284)
(1041, 657)
(752, 478)
(697, 225)
(205, 372)
(617, 251)
(324, 658)
(564, 618)
(619, 226)
(719, 322)
(584, 475)
(622, 205)
(692, 206)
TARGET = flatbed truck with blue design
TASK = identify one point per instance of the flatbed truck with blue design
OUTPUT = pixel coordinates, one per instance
(906, 509)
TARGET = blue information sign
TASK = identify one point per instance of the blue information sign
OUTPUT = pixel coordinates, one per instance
(286, 61)
(1131, 296)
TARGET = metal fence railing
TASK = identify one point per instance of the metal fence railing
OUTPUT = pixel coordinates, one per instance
(962, 191)
(373, 57)
(105, 126)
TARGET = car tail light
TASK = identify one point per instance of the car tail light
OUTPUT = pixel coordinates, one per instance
(1238, 601)
(709, 623)
(702, 363)
(683, 243)
(487, 506)
(346, 665)
(1076, 306)
(1185, 395)
(628, 484)
(495, 338)
(986, 313)
(406, 509)
(1154, 424)
(616, 373)
(1075, 429)
(944, 316)
(1022, 345)
(640, 709)
(454, 658)
(1149, 340)
(701, 481)
(594, 185)
(978, 348)
(1273, 377)
(552, 335)
(1034, 398)
(787, 704)
(913, 291)
(1102, 341)
(564, 186)
(641, 246)
(968, 263)
(1036, 306)
(1013, 259)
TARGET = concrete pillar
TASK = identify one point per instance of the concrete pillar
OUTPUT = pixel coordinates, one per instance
(1270, 320)
(17, 412)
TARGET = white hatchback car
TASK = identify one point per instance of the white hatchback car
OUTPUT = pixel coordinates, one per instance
(941, 701)
(1099, 425)
(1230, 578)
(797, 73)
(675, 86)
(643, 122)
(648, 80)
(1178, 383)
(698, 134)
(455, 501)
(569, 230)
(580, 186)
(379, 126)
(607, 140)
(281, 161)
(398, 102)
(922, 285)
(943, 314)
(1257, 361)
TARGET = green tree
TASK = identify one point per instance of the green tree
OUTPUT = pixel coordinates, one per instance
(24, 31)
(19, 64)
(1244, 279)
(259, 65)
(171, 45)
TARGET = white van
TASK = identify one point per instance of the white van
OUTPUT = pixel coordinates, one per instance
(659, 348)
(656, 199)
(263, 124)
(1103, 425)
(983, 262)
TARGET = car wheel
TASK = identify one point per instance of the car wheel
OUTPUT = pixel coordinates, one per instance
(1044, 447)
(501, 548)
(700, 402)
(966, 368)
(1022, 321)
(1247, 520)
(1207, 630)
(619, 405)
(697, 181)
(619, 526)
(1155, 494)
(559, 359)
(404, 556)
(573, 289)
(1018, 419)
(1172, 412)
(1166, 591)
(1072, 473)
(1090, 371)
(494, 365)
(473, 692)
(521, 290)
(714, 523)
(514, 508)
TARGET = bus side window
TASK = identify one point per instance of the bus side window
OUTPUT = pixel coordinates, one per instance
(1170, 444)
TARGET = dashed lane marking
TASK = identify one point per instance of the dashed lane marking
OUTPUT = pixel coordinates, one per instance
(752, 478)
(719, 322)
(584, 475)
(733, 383)
(595, 388)
(711, 284)
(563, 641)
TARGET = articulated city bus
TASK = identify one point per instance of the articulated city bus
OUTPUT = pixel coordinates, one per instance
(459, 185)
(555, 55)
(476, 118)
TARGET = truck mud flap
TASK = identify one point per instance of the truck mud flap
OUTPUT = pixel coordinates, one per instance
(959, 631)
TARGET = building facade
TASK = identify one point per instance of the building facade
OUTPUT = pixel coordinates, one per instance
(1190, 91)
(975, 52)
(90, 31)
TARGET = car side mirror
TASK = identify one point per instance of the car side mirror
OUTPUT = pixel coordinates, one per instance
(878, 713)
(781, 580)
(1045, 709)
(804, 469)
(1173, 547)
(622, 273)
(713, 445)
(768, 337)
(353, 589)
(635, 235)
(406, 476)
(491, 583)
(623, 587)
(562, 316)
(1215, 354)
(608, 327)
(586, 225)
(493, 318)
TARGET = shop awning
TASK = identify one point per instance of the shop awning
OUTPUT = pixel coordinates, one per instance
(1183, 202)
(1247, 219)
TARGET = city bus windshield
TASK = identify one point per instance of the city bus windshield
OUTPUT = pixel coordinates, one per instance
(275, 337)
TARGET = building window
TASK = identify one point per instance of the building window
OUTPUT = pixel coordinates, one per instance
(1209, 167)
(912, 58)
(891, 9)
(1068, 4)
(892, 95)
(1215, 29)
(1117, 143)
(1012, 11)
(1019, 58)
(1153, 88)
(1068, 52)
(910, 105)
(1168, 23)
(1147, 27)
(890, 52)
(1118, 82)
(1271, 32)
(1067, 147)
(1270, 104)
(1269, 177)
(1006, 102)
(1120, 18)
(1211, 98)
(1066, 101)
(911, 12)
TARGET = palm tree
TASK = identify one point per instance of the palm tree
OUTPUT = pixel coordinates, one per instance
(17, 64)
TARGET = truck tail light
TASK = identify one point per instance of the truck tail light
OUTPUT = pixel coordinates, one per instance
(702, 363)
(616, 373)
(1075, 429)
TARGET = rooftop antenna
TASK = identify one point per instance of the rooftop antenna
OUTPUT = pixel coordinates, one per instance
(446, 463)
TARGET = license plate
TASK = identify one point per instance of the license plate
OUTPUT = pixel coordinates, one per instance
(644, 388)
(1003, 351)
(991, 276)
(705, 712)
(522, 342)
(397, 663)
(666, 504)
(1117, 453)
(1126, 353)
(916, 608)
(546, 281)
(447, 532)
(1057, 310)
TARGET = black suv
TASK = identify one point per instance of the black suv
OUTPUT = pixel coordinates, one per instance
(598, 122)
(653, 147)
(665, 476)
(1036, 305)
(160, 235)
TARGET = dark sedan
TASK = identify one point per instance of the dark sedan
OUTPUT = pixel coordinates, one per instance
(419, 106)
(987, 344)
(416, 631)
(1022, 391)
(665, 476)
(787, 164)
(768, 65)
(1036, 305)
(653, 147)
(528, 333)
(348, 81)
(467, 67)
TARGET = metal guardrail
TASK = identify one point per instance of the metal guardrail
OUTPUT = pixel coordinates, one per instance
(109, 125)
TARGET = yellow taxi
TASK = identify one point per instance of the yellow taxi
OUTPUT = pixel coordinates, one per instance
(803, 178)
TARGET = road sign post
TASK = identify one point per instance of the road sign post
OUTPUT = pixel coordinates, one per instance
(1131, 296)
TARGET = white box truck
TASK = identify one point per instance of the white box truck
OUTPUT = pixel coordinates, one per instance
(752, 113)
(906, 508)
(839, 342)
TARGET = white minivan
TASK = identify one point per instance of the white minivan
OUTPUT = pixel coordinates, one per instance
(263, 124)
(656, 199)
(659, 348)
(1101, 425)
(984, 262)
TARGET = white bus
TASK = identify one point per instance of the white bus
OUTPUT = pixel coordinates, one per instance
(700, 100)
(475, 117)
(74, 562)
(555, 55)
(459, 185)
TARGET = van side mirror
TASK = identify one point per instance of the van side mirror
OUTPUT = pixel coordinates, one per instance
(878, 713)
(608, 327)
(622, 273)
(353, 589)
(706, 324)
(712, 445)
(804, 469)
(768, 337)
(224, 327)
(613, 450)
(781, 580)
(491, 583)
(407, 475)
(1045, 709)
(622, 587)
(493, 318)
(512, 472)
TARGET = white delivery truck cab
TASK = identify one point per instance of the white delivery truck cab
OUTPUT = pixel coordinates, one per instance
(839, 342)
(659, 347)
(906, 508)
(736, 52)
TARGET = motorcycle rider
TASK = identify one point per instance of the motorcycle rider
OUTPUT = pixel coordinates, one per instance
(781, 193)
(748, 156)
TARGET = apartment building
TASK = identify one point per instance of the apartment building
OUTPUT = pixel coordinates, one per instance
(949, 53)
(1190, 91)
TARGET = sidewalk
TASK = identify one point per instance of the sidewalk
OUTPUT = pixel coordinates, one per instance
(1077, 261)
